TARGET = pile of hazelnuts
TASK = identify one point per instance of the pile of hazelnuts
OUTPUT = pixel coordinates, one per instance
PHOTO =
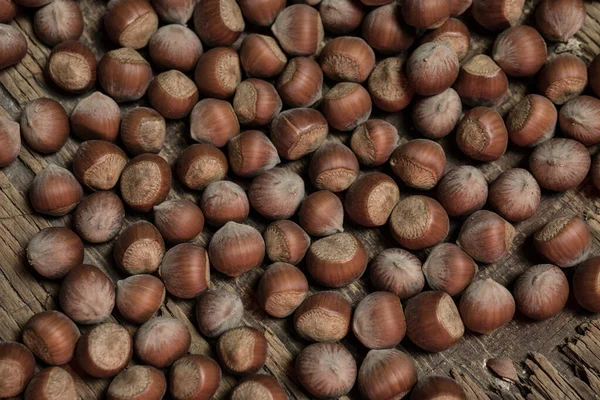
(273, 95)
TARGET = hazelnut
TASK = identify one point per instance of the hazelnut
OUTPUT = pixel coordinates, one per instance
(418, 222)
(13, 46)
(45, 125)
(462, 191)
(594, 76)
(299, 30)
(436, 116)
(286, 242)
(54, 251)
(51, 383)
(281, 289)
(564, 241)
(560, 164)
(341, 16)
(497, 14)
(10, 142)
(97, 117)
(261, 13)
(485, 306)
(419, 163)
(218, 311)
(218, 73)
(178, 220)
(397, 271)
(374, 141)
(104, 350)
(515, 194)
(58, 21)
(185, 270)
(252, 153)
(55, 191)
(387, 373)
(333, 167)
(486, 237)
(563, 78)
(255, 386)
(347, 59)
(277, 193)
(175, 47)
(99, 217)
(175, 11)
(301, 82)
(449, 269)
(98, 164)
(51, 336)
(336, 260)
(139, 297)
(194, 377)
(322, 214)
(138, 382)
(124, 74)
(378, 321)
(531, 121)
(143, 130)
(261, 56)
(8, 10)
(435, 387)
(426, 14)
(224, 201)
(385, 31)
(218, 22)
(130, 23)
(432, 68)
(541, 292)
(236, 249)
(161, 341)
(481, 82)
(242, 351)
(579, 119)
(585, 287)
(72, 67)
(214, 122)
(172, 94)
(145, 182)
(139, 249)
(256, 102)
(454, 34)
(388, 85)
(323, 317)
(520, 51)
(346, 106)
(559, 20)
(298, 132)
(17, 365)
(482, 135)
(371, 199)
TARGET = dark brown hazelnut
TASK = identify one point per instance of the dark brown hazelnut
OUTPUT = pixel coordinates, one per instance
(388, 85)
(563, 78)
(13, 46)
(346, 106)
(301, 82)
(218, 73)
(161, 341)
(45, 125)
(419, 163)
(432, 68)
(520, 51)
(482, 135)
(194, 377)
(486, 306)
(387, 373)
(10, 142)
(175, 11)
(143, 130)
(418, 222)
(323, 317)
(564, 241)
(515, 195)
(218, 22)
(385, 31)
(98, 164)
(449, 269)
(261, 56)
(145, 182)
(435, 387)
(462, 191)
(481, 82)
(58, 21)
(236, 249)
(51, 383)
(341, 16)
(531, 121)
(282, 288)
(322, 214)
(397, 271)
(72, 67)
(371, 199)
(54, 251)
(55, 191)
(347, 59)
(559, 20)
(261, 12)
(224, 201)
(436, 116)
(178, 220)
(585, 287)
(51, 336)
(8, 10)
(378, 321)
(560, 164)
(185, 270)
(374, 141)
(172, 94)
(139, 297)
(138, 382)
(594, 76)
(242, 351)
(579, 119)
(486, 237)
(286, 242)
(252, 153)
(541, 292)
(96, 117)
(333, 167)
(17, 365)
(105, 350)
(425, 14)
(218, 311)
(124, 74)
(214, 122)
(258, 385)
(497, 14)
(201, 164)
(299, 30)
(175, 47)
(139, 249)
(256, 102)
(454, 34)
(298, 132)
(99, 217)
(130, 23)
(277, 193)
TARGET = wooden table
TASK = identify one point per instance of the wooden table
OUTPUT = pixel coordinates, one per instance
(547, 372)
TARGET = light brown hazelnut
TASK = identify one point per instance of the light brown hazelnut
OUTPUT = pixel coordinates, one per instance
(145, 182)
(418, 222)
(276, 193)
(486, 237)
(397, 271)
(286, 242)
(224, 201)
(333, 167)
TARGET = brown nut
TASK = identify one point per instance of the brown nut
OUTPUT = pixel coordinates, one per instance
(418, 222)
(560, 164)
(213, 121)
(98, 164)
(299, 30)
(143, 130)
(161, 341)
(17, 365)
(58, 21)
(139, 297)
(387, 374)
(256, 102)
(323, 317)
(10, 142)
(282, 288)
(520, 51)
(178, 220)
(389, 86)
(8, 10)
(139, 249)
(486, 237)
(13, 46)
(130, 23)
(433, 387)
(219, 22)
(449, 269)
(585, 288)
(173, 94)
(277, 193)
(497, 14)
(194, 377)
(515, 194)
(454, 34)
(346, 106)
(371, 199)
(481, 82)
(333, 167)
(99, 217)
(97, 117)
(385, 30)
(261, 13)
(45, 125)
(563, 78)
(486, 306)
(175, 47)
(374, 141)
(301, 82)
(298, 132)
(436, 116)
(532, 121)
(105, 350)
(432, 68)
(218, 73)
(462, 191)
(139, 382)
(54, 251)
(559, 20)
(426, 14)
(242, 351)
(397, 271)
(419, 163)
(482, 135)
(341, 16)
(252, 153)
(347, 59)
(55, 191)
(541, 292)
(51, 336)
(236, 249)
(145, 182)
(175, 11)
(224, 201)
(564, 241)
(185, 270)
(286, 242)
(322, 214)
(51, 382)
(378, 321)
(218, 311)
(124, 74)
(72, 67)
(579, 119)
(258, 385)
(261, 56)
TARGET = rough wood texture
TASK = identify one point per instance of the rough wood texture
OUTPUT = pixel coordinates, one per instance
(22, 294)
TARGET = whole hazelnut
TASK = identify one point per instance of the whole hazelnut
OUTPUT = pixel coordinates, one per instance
(45, 125)
(139, 249)
(386, 373)
(286, 242)
(138, 382)
(218, 22)
(301, 82)
(214, 122)
(99, 217)
(559, 20)
(175, 11)
(54, 251)
(276, 193)
(105, 350)
(426, 14)
(531, 121)
(8, 10)
(10, 142)
(323, 317)
(418, 222)
(454, 34)
(299, 30)
(51, 383)
(371, 198)
(326, 370)
(178, 220)
(124, 74)
(298, 132)
(486, 237)
(13, 46)
(98, 164)
(373, 142)
(433, 387)
(497, 14)
(218, 311)
(194, 377)
(378, 321)
(449, 269)
(564, 241)
(585, 286)
(485, 306)
(515, 194)
(58, 21)
(462, 191)
(224, 201)
(252, 153)
(172, 94)
(51, 336)
(17, 365)
(256, 102)
(72, 67)
(419, 163)
(145, 182)
(341, 16)
(281, 289)
(541, 292)
(432, 68)
(96, 117)
(594, 74)
(436, 116)
(560, 164)
(218, 73)
(385, 31)
(389, 86)
(322, 214)
(579, 119)
(520, 51)
(55, 191)
(336, 260)
(236, 249)
(130, 23)
(258, 385)
(481, 82)
(397, 271)
(242, 351)
(261, 56)
(185, 270)
(143, 130)
(261, 13)
(175, 47)
(482, 135)
(347, 59)
(333, 167)
(161, 341)
(563, 78)
(139, 297)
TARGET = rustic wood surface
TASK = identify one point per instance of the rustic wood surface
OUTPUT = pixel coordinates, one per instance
(548, 368)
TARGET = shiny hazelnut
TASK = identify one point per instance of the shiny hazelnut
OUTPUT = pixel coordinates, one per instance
(194, 377)
(436, 116)
(105, 350)
(252, 153)
(388, 85)
(485, 306)
(346, 106)
(51, 336)
(51, 383)
(515, 195)
(347, 59)
(371, 199)
(286, 242)
(299, 30)
(256, 102)
(462, 191)
(143, 130)
(432, 68)
(218, 73)
(175, 47)
(139, 249)
(54, 251)
(124, 74)
(301, 82)
(520, 51)
(99, 217)
(97, 117)
(341, 16)
(432, 321)
(531, 121)
(218, 311)
(13, 46)
(559, 20)
(214, 122)
(486, 237)
(58, 21)
(8, 10)
(17, 366)
(139, 297)
(560, 164)
(224, 201)
(45, 125)
(454, 34)
(178, 220)
(497, 14)
(172, 94)
(322, 214)
(130, 23)
(258, 385)
(449, 269)
(579, 119)
(387, 373)
(397, 271)
(435, 387)
(564, 241)
(161, 341)
(425, 14)
(55, 191)
(261, 56)
(236, 249)
(276, 193)
(98, 164)
(298, 132)
(541, 292)
(378, 321)
(323, 317)
(242, 351)
(482, 135)
(333, 167)
(385, 31)
(336, 260)
(218, 22)
(585, 287)
(185, 270)
(374, 141)
(419, 163)
(10, 142)
(281, 289)
(261, 12)
(175, 11)
(145, 182)
(418, 222)
(138, 382)
(563, 78)
(594, 75)
(481, 82)
(71, 67)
